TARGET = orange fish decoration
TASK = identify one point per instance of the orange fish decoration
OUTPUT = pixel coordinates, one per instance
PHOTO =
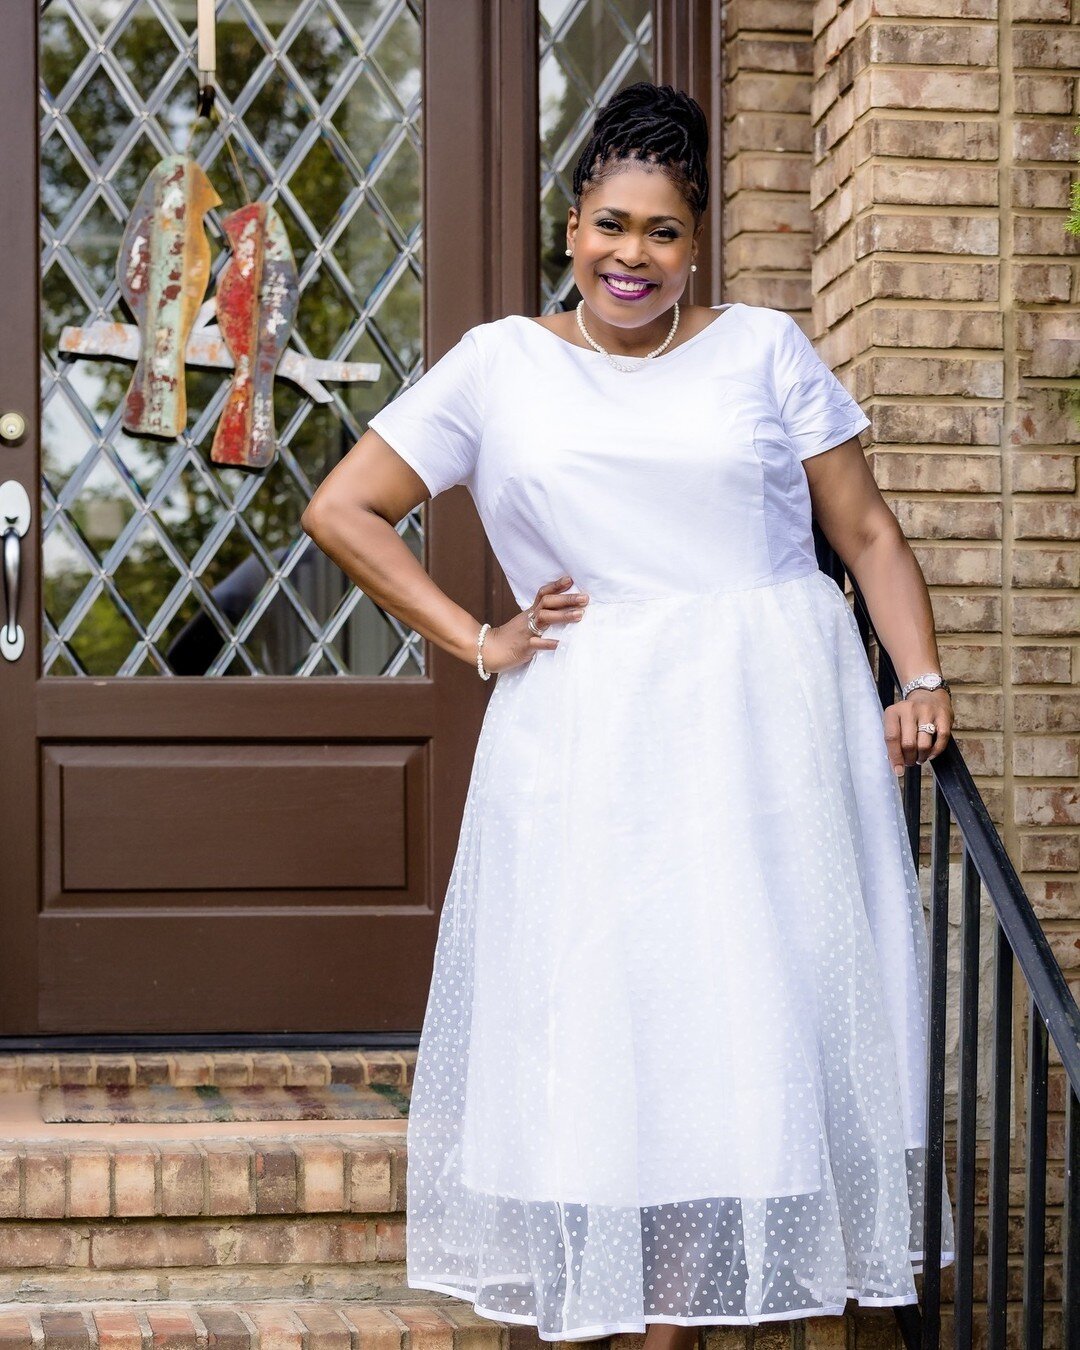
(257, 297)
(163, 268)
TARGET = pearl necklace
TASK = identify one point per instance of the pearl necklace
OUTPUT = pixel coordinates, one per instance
(614, 360)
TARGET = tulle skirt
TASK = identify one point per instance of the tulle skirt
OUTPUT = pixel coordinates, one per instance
(672, 1066)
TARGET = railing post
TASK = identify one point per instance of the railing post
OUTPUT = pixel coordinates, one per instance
(965, 1144)
(934, 1159)
(997, 1283)
(1070, 1224)
(1035, 1198)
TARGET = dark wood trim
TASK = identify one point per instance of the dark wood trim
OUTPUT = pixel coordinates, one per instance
(330, 708)
(514, 206)
(19, 391)
(514, 201)
(689, 40)
(457, 259)
(108, 1042)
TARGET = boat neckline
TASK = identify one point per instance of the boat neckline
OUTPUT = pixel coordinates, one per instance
(590, 351)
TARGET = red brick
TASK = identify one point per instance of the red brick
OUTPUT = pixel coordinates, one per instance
(325, 1327)
(182, 1183)
(226, 1329)
(16, 1331)
(10, 1181)
(134, 1180)
(229, 1177)
(114, 1070)
(428, 1329)
(173, 1329)
(377, 1328)
(88, 1182)
(45, 1170)
(275, 1179)
(117, 1329)
(369, 1189)
(322, 1176)
(278, 1326)
(65, 1329)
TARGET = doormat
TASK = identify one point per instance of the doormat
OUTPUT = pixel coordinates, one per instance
(167, 1105)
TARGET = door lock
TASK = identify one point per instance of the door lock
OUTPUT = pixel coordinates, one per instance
(14, 522)
(12, 426)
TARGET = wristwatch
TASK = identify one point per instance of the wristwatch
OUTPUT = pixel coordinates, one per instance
(931, 681)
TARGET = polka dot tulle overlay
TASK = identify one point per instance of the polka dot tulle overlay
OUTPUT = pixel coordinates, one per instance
(672, 1062)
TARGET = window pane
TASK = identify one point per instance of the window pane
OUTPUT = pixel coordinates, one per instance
(155, 560)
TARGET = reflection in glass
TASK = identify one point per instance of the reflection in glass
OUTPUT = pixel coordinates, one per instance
(155, 562)
(588, 52)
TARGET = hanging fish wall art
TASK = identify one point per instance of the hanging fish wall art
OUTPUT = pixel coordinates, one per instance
(256, 303)
(163, 268)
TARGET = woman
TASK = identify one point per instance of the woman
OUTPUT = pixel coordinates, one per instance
(671, 1069)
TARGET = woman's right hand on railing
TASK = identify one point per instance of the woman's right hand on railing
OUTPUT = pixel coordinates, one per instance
(514, 642)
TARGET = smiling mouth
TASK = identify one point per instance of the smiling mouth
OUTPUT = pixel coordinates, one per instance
(630, 287)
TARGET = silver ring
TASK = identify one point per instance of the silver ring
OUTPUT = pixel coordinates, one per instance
(532, 625)
(930, 727)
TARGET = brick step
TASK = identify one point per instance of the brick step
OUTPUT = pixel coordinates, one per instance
(331, 1256)
(225, 1068)
(130, 1174)
(419, 1321)
(286, 1216)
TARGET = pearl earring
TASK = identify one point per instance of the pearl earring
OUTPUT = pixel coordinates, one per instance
(570, 251)
(693, 267)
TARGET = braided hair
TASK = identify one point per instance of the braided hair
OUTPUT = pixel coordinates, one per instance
(656, 124)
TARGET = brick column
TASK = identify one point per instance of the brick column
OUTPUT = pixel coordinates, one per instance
(942, 132)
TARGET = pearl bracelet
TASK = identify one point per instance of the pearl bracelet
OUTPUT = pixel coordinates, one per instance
(484, 674)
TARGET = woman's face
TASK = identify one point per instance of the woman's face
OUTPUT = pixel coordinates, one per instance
(635, 225)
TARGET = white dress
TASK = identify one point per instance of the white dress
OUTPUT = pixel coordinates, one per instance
(672, 1062)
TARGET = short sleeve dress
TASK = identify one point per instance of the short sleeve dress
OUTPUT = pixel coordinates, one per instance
(672, 1063)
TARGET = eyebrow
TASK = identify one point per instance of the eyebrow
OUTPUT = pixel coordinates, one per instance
(614, 211)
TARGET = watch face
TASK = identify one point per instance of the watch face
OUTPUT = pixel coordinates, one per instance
(931, 681)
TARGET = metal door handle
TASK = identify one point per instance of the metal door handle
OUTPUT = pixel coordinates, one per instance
(14, 522)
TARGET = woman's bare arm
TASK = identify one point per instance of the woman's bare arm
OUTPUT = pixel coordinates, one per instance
(857, 522)
(352, 517)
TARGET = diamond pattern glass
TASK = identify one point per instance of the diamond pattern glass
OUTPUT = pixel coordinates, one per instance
(589, 50)
(155, 561)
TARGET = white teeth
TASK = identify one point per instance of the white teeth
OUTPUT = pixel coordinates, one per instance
(627, 285)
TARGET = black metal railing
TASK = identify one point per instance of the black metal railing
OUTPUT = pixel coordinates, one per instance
(1052, 1018)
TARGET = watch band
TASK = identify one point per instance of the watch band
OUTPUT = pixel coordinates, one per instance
(932, 680)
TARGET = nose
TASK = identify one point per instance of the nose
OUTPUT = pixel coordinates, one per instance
(632, 250)
(632, 257)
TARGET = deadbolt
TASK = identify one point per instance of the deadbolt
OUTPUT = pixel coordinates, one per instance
(12, 426)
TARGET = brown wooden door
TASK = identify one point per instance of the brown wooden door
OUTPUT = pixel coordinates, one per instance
(231, 786)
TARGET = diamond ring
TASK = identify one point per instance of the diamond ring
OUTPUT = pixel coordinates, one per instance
(532, 625)
(931, 727)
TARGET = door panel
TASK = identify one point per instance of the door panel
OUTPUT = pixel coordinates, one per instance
(272, 819)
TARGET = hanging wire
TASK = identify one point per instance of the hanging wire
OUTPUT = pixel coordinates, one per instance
(207, 109)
